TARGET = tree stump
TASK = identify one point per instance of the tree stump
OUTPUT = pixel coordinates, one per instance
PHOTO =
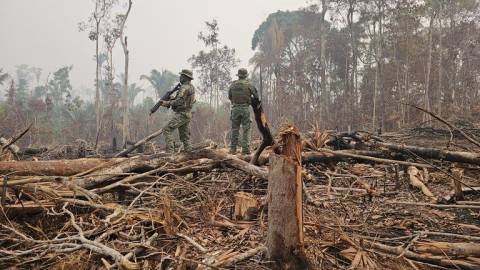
(457, 185)
(246, 206)
(285, 213)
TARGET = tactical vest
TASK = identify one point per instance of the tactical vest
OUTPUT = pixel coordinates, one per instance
(240, 92)
(188, 91)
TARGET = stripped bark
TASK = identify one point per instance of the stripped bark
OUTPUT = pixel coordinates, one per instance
(285, 214)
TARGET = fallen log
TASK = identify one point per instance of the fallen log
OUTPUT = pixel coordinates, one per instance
(450, 249)
(133, 164)
(440, 206)
(428, 258)
(416, 180)
(240, 257)
(336, 156)
(465, 191)
(234, 162)
(28, 207)
(450, 235)
(325, 155)
(434, 153)
(201, 165)
(51, 167)
(17, 181)
(139, 143)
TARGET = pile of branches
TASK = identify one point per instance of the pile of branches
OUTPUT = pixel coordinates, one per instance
(368, 204)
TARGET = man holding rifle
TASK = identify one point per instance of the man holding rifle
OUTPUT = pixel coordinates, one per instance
(181, 100)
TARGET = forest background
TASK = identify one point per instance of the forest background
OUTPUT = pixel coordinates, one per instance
(333, 64)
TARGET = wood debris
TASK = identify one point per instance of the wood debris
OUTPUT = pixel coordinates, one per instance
(371, 202)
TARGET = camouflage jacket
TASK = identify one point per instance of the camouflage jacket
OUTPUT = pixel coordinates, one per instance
(241, 92)
(185, 98)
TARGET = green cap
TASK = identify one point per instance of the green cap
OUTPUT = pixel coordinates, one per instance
(242, 73)
(187, 73)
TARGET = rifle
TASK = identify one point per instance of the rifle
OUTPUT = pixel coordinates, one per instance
(165, 97)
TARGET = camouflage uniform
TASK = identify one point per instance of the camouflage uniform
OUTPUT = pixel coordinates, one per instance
(240, 94)
(181, 104)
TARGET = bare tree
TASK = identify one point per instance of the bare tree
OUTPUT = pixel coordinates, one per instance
(122, 19)
(94, 24)
(427, 105)
(111, 36)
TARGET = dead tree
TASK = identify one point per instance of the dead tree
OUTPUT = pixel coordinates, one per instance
(262, 124)
(285, 216)
(123, 40)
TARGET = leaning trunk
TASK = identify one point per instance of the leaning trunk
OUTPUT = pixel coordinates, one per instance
(261, 119)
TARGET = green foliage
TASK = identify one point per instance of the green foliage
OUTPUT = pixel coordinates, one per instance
(3, 76)
(24, 76)
(133, 91)
(59, 87)
(214, 65)
(162, 81)
(286, 25)
(333, 67)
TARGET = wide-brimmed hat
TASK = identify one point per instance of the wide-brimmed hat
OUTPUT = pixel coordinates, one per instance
(187, 73)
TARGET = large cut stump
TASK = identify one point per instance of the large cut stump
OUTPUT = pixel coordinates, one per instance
(285, 217)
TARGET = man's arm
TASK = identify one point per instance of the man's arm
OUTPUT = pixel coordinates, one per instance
(230, 93)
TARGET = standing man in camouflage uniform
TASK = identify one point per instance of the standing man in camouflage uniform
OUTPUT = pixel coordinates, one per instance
(240, 95)
(181, 103)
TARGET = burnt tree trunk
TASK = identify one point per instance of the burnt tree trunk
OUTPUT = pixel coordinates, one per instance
(261, 119)
(285, 217)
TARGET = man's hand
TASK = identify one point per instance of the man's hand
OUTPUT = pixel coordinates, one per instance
(165, 103)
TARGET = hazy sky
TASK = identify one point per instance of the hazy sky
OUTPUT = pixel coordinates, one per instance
(161, 34)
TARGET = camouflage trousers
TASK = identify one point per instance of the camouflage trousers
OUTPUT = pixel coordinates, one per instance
(180, 121)
(240, 116)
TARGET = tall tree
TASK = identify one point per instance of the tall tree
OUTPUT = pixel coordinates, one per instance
(121, 20)
(427, 98)
(24, 78)
(111, 36)
(161, 81)
(214, 66)
(94, 27)
(59, 87)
